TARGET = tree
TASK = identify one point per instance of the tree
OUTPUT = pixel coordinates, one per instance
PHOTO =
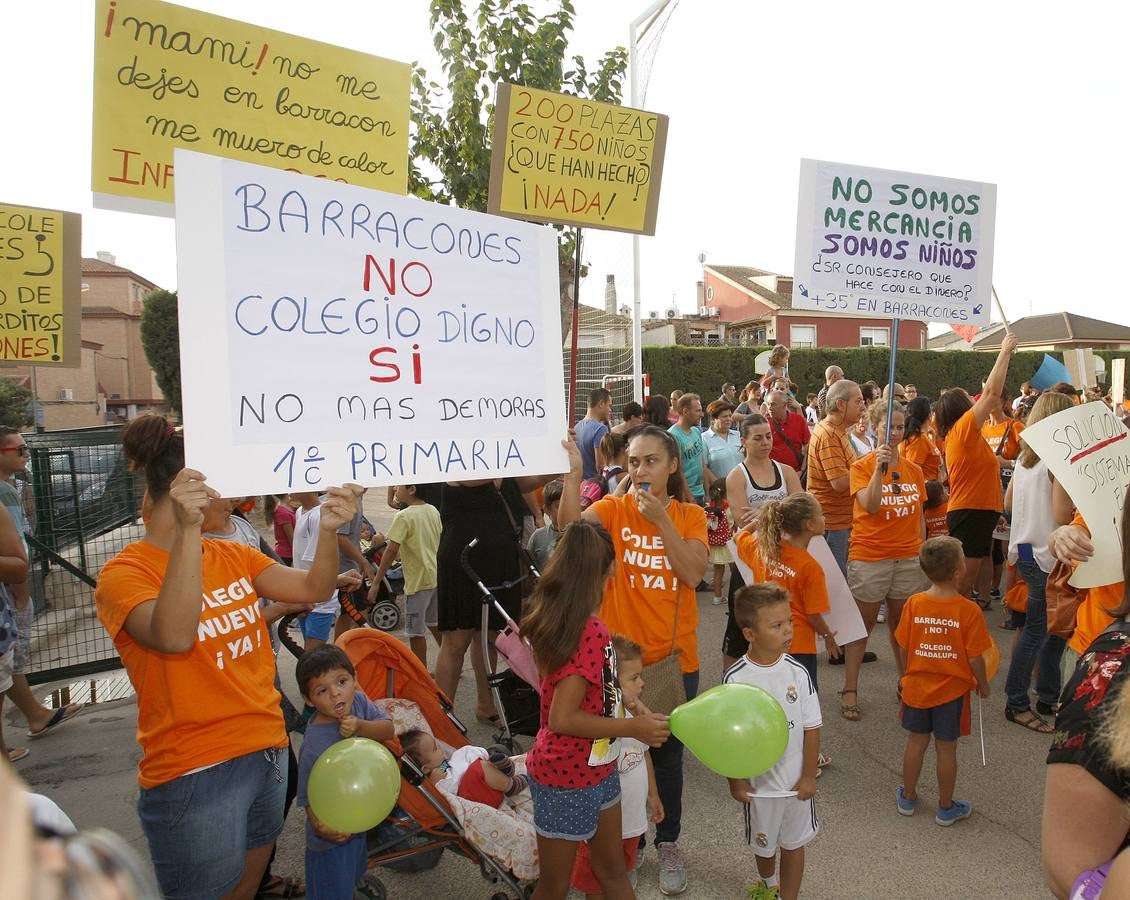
(14, 400)
(453, 126)
(160, 337)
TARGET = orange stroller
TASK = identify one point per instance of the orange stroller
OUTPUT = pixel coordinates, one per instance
(426, 821)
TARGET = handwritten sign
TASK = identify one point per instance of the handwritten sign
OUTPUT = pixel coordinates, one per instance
(40, 285)
(331, 333)
(166, 76)
(895, 245)
(1087, 449)
(558, 158)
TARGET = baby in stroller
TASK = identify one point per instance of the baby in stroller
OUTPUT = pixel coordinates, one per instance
(473, 773)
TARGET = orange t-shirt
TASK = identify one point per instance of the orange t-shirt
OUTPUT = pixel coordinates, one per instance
(940, 637)
(830, 455)
(640, 598)
(798, 572)
(975, 475)
(1091, 617)
(993, 434)
(922, 451)
(216, 701)
(936, 520)
(895, 531)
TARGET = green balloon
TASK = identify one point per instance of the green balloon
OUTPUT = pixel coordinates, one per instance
(353, 786)
(736, 730)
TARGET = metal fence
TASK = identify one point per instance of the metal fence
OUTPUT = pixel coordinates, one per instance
(83, 506)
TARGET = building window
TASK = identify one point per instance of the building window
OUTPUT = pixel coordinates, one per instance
(802, 337)
(874, 337)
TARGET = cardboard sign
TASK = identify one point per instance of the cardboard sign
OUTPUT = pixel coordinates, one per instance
(1117, 381)
(332, 334)
(558, 158)
(166, 76)
(40, 287)
(894, 245)
(1081, 364)
(1087, 449)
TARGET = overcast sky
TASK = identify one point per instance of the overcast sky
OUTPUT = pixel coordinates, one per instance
(1027, 97)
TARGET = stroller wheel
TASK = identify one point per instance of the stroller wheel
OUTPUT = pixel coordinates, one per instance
(385, 616)
(370, 888)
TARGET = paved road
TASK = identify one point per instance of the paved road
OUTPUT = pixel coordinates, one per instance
(866, 849)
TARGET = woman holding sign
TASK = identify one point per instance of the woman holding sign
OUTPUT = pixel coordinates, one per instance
(659, 534)
(213, 765)
(975, 480)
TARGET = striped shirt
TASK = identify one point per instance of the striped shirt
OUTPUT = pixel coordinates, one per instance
(830, 456)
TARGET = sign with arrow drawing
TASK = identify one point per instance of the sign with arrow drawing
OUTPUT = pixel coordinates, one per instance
(894, 245)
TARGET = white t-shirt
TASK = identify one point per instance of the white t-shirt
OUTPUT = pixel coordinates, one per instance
(787, 681)
(633, 787)
(305, 545)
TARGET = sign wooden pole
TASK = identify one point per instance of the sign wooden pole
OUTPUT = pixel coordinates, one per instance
(576, 327)
(891, 379)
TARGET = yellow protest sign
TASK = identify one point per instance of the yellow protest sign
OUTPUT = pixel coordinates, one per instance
(166, 76)
(558, 158)
(40, 284)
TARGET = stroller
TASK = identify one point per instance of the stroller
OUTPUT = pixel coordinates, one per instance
(425, 821)
(516, 691)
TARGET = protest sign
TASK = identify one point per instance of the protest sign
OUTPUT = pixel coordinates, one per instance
(1087, 450)
(40, 287)
(1117, 381)
(894, 245)
(558, 158)
(331, 333)
(166, 76)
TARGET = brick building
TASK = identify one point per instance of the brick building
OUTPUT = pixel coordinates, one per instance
(757, 307)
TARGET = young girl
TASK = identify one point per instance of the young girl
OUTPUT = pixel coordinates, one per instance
(775, 547)
(718, 534)
(937, 502)
(778, 366)
(572, 765)
(614, 452)
(279, 513)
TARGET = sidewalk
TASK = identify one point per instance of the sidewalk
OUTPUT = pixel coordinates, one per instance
(866, 849)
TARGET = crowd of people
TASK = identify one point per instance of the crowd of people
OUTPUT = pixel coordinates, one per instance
(931, 512)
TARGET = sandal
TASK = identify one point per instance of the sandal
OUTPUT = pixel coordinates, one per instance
(1033, 722)
(278, 886)
(492, 719)
(1047, 709)
(850, 711)
(61, 715)
(18, 753)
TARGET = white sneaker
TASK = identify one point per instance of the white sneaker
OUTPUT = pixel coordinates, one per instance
(882, 612)
(718, 601)
(672, 868)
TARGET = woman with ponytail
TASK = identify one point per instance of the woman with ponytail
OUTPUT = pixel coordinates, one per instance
(184, 615)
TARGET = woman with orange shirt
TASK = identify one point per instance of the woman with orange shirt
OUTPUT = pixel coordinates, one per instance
(887, 529)
(975, 482)
(659, 534)
(209, 724)
(917, 444)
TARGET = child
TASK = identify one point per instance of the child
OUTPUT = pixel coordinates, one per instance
(777, 551)
(614, 452)
(335, 861)
(778, 366)
(639, 793)
(414, 536)
(543, 540)
(811, 414)
(936, 506)
(473, 773)
(572, 764)
(778, 818)
(718, 534)
(942, 636)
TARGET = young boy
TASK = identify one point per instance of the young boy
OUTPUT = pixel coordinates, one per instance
(544, 539)
(639, 795)
(941, 638)
(778, 806)
(935, 509)
(335, 861)
(414, 537)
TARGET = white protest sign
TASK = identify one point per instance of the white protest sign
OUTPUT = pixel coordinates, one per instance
(843, 615)
(331, 333)
(894, 245)
(1087, 450)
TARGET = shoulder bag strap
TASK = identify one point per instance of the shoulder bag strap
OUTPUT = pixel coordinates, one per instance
(509, 514)
(1004, 438)
(785, 438)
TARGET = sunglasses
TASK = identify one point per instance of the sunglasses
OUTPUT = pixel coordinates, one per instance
(22, 450)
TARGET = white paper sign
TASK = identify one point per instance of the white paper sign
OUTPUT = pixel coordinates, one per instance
(331, 333)
(1088, 451)
(843, 616)
(893, 245)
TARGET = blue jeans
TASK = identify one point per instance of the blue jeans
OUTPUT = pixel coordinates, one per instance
(838, 540)
(332, 874)
(1036, 649)
(668, 763)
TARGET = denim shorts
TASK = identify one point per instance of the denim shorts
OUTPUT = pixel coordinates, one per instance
(947, 722)
(571, 813)
(24, 618)
(200, 826)
(318, 625)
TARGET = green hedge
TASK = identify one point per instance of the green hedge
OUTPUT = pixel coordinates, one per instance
(703, 370)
